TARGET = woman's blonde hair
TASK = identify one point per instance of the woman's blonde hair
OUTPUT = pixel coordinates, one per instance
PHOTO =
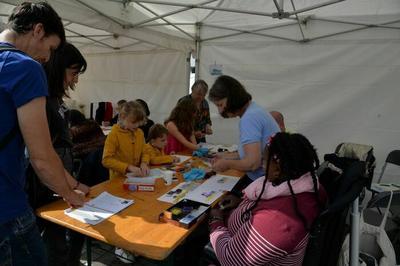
(134, 109)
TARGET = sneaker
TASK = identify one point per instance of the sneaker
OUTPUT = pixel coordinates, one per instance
(124, 256)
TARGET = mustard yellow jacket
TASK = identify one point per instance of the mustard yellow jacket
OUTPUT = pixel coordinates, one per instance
(121, 149)
(155, 156)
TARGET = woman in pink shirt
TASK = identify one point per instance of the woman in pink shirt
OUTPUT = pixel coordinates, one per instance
(180, 125)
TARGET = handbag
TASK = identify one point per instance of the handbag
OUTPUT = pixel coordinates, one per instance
(374, 244)
(38, 193)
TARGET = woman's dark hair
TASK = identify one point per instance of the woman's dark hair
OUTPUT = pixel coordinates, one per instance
(27, 14)
(145, 106)
(76, 118)
(231, 89)
(183, 116)
(156, 131)
(66, 57)
(297, 156)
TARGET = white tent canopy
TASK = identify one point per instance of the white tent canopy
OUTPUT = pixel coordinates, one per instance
(331, 67)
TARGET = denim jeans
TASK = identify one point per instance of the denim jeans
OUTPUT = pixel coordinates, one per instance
(61, 250)
(20, 242)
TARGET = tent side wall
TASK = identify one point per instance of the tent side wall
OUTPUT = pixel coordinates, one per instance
(158, 78)
(332, 91)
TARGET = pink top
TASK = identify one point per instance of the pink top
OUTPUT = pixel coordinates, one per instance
(173, 145)
(274, 234)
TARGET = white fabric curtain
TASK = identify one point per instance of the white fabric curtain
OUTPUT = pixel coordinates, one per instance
(159, 79)
(332, 91)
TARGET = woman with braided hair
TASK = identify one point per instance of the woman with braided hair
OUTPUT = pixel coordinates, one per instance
(271, 223)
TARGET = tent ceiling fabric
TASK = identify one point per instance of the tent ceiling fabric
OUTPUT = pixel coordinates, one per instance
(332, 67)
(136, 25)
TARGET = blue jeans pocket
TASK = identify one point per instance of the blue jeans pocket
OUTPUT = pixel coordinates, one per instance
(24, 223)
(23, 245)
(5, 252)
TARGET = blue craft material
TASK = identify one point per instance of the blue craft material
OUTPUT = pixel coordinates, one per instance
(200, 152)
(194, 174)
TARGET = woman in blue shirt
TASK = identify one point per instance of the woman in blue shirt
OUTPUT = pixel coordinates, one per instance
(256, 126)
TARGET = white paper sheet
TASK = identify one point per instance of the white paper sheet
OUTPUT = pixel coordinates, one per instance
(178, 192)
(206, 193)
(99, 208)
(154, 173)
(212, 189)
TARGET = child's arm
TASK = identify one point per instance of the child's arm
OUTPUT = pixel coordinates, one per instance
(110, 148)
(162, 159)
(151, 157)
(146, 154)
(174, 131)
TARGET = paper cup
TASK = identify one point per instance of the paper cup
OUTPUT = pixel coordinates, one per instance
(168, 175)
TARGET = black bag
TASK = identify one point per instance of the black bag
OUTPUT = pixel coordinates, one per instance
(38, 194)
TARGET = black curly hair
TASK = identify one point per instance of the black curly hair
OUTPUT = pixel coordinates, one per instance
(297, 156)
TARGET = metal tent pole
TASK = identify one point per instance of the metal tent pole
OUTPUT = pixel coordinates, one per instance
(355, 233)
(198, 40)
(233, 10)
(188, 70)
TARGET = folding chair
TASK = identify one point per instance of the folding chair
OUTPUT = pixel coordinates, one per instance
(392, 158)
(380, 200)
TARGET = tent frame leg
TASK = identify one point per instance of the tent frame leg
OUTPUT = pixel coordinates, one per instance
(355, 233)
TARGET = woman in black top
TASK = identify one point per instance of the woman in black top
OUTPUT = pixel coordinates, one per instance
(62, 70)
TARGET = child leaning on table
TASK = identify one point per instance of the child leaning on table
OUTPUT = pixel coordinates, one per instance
(123, 149)
(153, 153)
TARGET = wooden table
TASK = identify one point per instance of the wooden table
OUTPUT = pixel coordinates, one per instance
(135, 228)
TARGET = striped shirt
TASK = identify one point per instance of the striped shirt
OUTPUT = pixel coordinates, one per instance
(273, 234)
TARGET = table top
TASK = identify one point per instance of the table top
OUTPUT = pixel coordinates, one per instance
(136, 228)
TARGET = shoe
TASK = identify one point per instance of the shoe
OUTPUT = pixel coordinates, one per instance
(124, 256)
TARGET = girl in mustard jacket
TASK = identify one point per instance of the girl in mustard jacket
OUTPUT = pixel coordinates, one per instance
(123, 149)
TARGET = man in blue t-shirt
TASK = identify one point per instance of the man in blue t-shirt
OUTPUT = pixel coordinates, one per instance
(256, 126)
(33, 31)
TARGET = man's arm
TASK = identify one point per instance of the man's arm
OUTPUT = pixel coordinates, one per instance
(48, 166)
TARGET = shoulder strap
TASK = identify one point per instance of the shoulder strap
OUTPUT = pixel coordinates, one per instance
(13, 132)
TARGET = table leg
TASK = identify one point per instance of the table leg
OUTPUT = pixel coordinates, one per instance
(89, 251)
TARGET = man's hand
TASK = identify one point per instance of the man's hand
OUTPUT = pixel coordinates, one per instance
(75, 199)
(83, 188)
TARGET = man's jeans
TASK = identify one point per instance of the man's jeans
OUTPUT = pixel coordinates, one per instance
(20, 242)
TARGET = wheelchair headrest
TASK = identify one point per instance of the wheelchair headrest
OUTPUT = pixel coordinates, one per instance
(354, 151)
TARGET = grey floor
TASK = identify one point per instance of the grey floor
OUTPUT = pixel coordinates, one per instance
(103, 254)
